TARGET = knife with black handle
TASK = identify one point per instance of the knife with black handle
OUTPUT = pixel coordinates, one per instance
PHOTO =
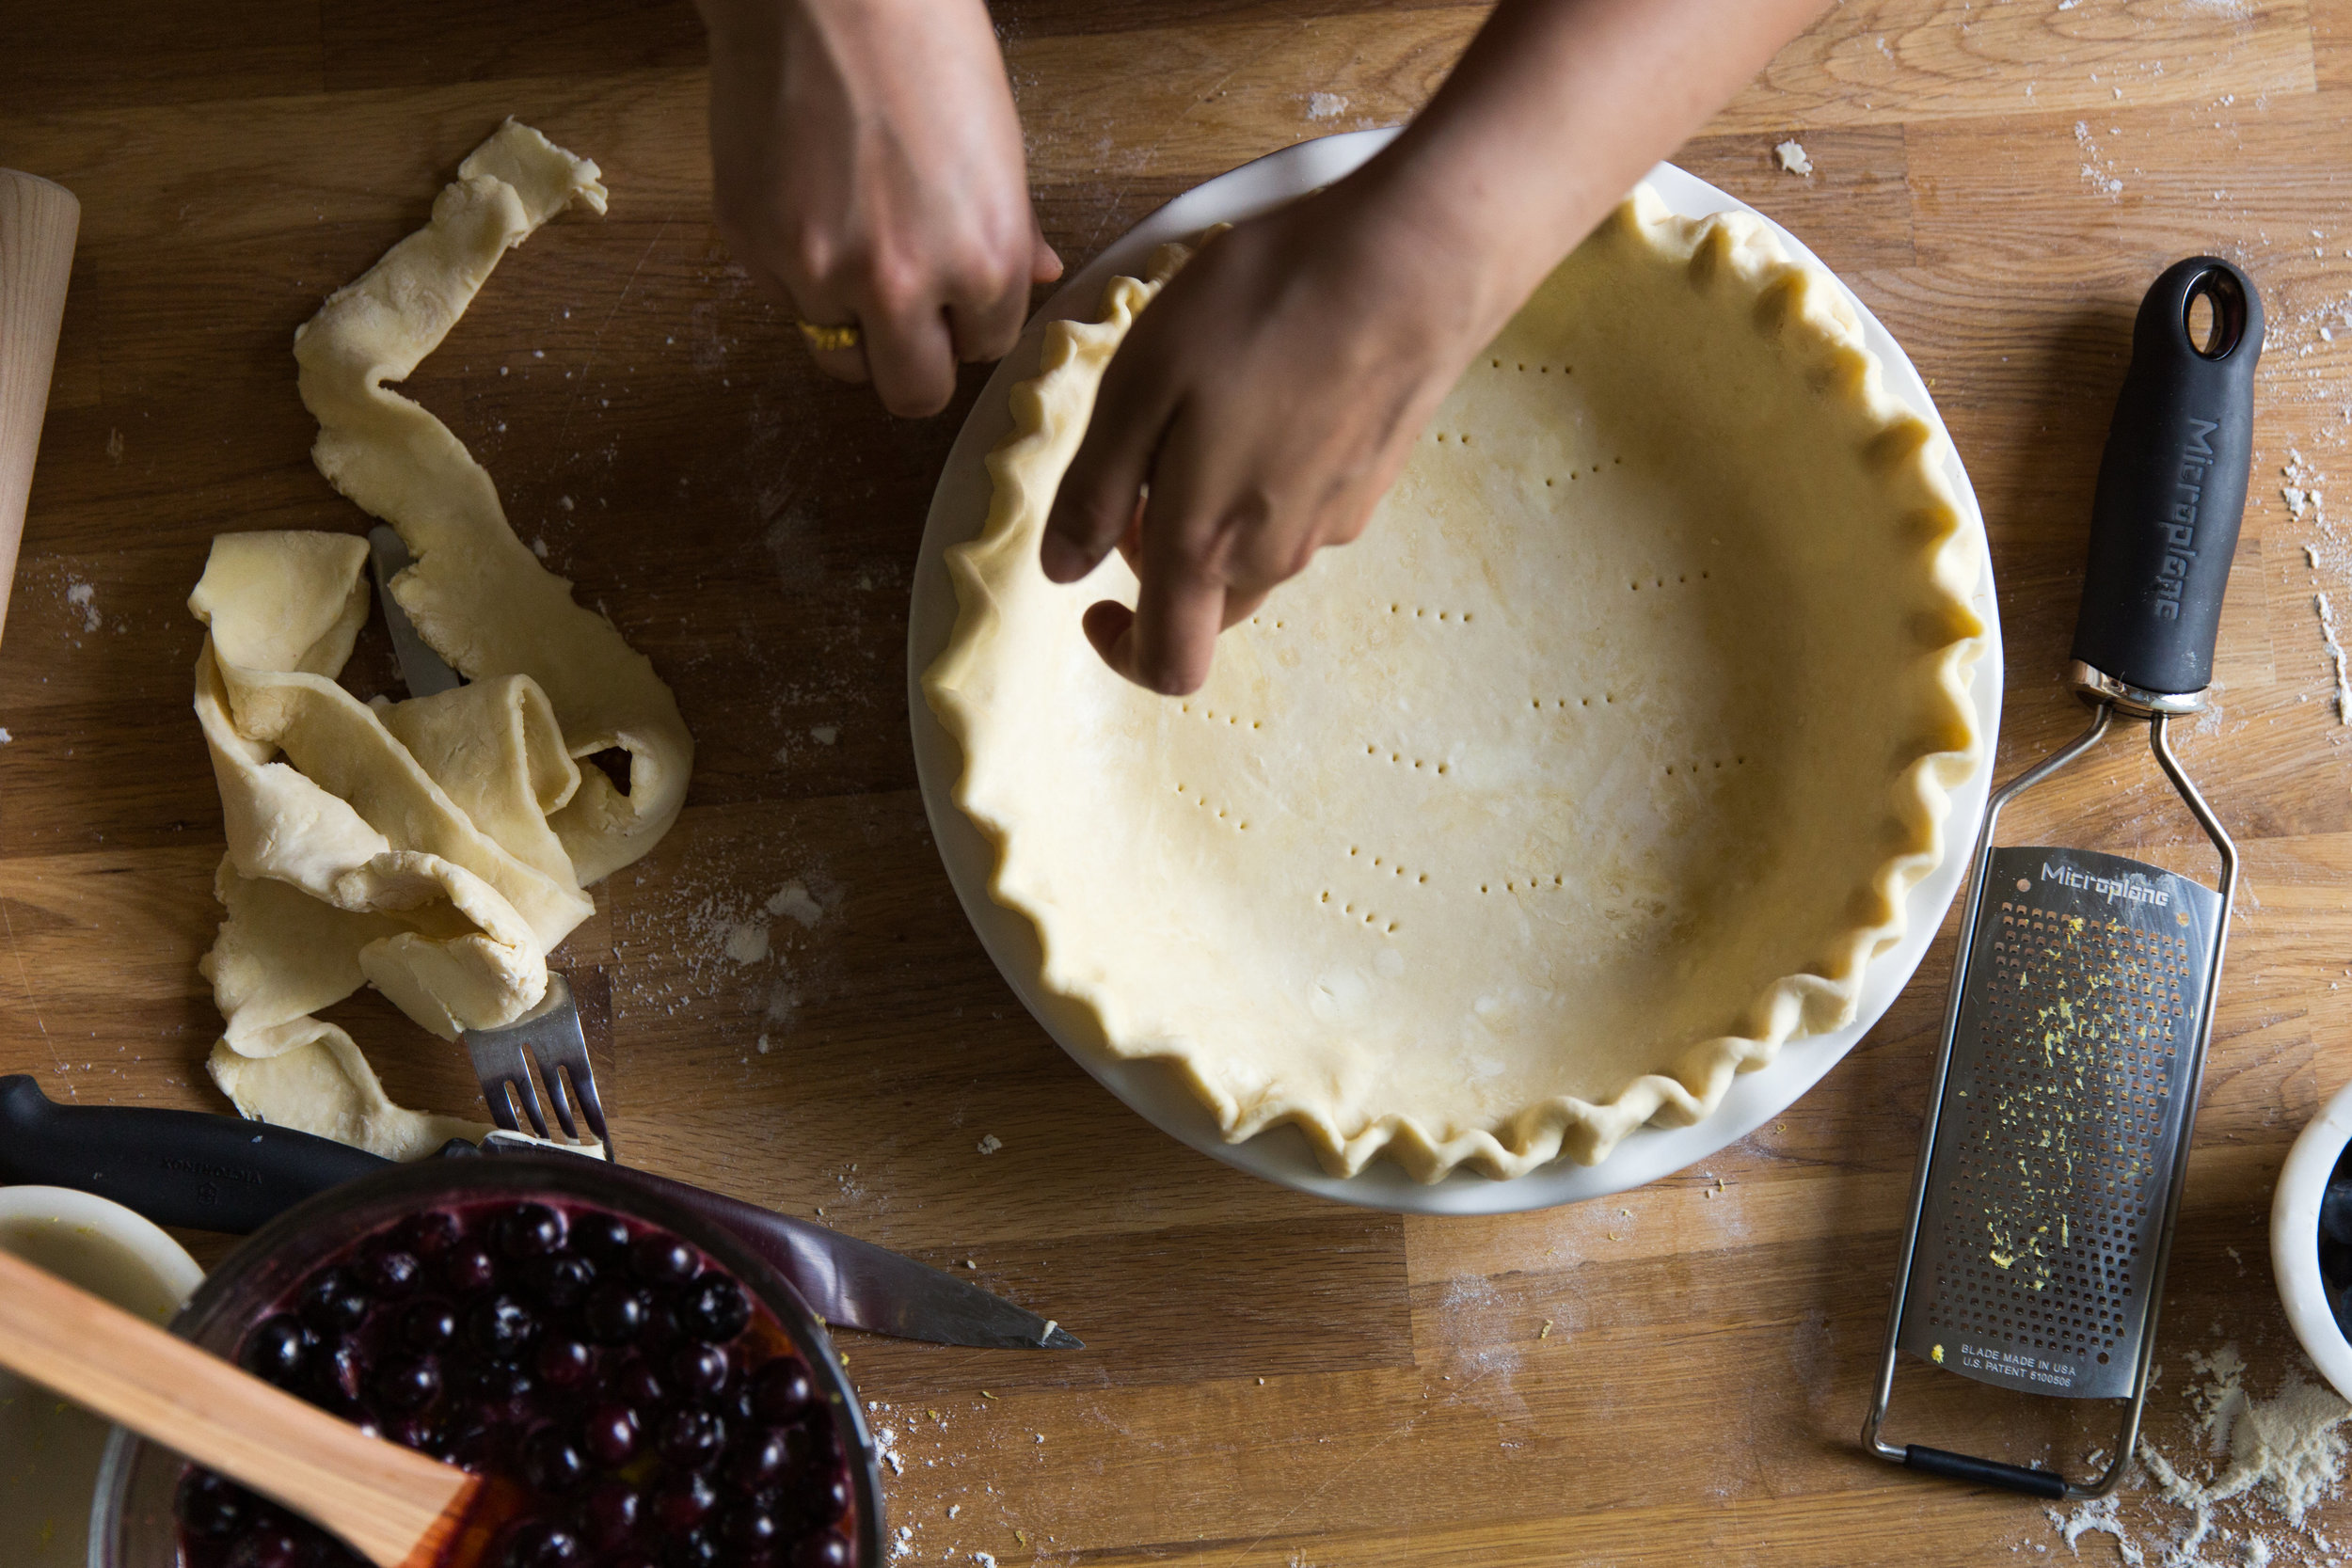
(221, 1173)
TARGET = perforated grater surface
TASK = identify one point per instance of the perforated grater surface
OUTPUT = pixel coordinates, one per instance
(2050, 1164)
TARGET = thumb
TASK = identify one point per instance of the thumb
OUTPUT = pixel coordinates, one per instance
(1101, 490)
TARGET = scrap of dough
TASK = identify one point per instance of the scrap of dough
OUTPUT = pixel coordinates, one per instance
(434, 848)
(477, 595)
(1599, 768)
(1793, 158)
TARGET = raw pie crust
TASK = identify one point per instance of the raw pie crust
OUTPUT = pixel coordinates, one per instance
(1598, 768)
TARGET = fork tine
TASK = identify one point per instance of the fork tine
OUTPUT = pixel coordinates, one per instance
(497, 1095)
(529, 1097)
(591, 1109)
(504, 1070)
(543, 1052)
(552, 1078)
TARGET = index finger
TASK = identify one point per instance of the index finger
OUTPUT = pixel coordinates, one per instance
(1180, 608)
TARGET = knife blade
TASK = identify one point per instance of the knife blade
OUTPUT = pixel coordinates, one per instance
(427, 674)
(221, 1173)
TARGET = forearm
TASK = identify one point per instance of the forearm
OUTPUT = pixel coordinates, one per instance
(1555, 111)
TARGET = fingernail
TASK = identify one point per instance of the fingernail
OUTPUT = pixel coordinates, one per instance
(1063, 560)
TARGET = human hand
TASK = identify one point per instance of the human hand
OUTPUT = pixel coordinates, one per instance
(866, 169)
(1257, 412)
(1268, 397)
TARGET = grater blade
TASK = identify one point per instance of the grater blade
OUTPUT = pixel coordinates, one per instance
(2063, 1113)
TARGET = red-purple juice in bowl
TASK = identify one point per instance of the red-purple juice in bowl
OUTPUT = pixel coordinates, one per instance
(651, 1411)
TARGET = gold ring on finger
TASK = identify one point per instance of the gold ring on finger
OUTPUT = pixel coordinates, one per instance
(824, 339)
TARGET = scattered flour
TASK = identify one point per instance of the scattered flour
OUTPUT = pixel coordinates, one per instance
(991, 1144)
(82, 596)
(793, 900)
(6, 738)
(2266, 1463)
(2103, 1516)
(825, 734)
(1793, 158)
(747, 943)
(2098, 173)
(1326, 105)
(2335, 656)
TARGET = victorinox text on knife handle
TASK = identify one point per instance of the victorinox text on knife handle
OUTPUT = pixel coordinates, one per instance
(2171, 491)
(176, 1168)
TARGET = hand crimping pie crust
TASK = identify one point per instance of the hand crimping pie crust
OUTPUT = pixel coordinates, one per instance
(1600, 767)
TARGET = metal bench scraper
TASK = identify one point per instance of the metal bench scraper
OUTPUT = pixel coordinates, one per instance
(2073, 1041)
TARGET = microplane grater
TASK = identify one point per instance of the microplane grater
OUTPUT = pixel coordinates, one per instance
(2059, 1131)
(2065, 1089)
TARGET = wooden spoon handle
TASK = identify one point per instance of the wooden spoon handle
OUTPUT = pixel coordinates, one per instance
(393, 1506)
(37, 222)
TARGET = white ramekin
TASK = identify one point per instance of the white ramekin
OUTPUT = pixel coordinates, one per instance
(2294, 1239)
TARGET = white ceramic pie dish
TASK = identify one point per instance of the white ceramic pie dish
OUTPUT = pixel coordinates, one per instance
(958, 508)
(2294, 1239)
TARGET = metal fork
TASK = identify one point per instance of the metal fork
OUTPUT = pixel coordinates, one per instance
(546, 1041)
(544, 1048)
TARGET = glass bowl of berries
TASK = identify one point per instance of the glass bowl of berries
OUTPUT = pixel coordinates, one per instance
(658, 1396)
(2310, 1239)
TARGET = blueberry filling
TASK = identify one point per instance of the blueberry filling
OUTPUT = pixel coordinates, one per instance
(2335, 1241)
(652, 1414)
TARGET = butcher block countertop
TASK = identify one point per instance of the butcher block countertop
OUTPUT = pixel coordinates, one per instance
(1672, 1377)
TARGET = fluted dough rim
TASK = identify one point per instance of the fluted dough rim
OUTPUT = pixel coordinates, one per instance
(1794, 300)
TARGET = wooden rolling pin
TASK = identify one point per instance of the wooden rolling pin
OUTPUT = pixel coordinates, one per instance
(37, 222)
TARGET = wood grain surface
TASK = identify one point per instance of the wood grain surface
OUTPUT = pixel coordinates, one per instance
(1672, 1377)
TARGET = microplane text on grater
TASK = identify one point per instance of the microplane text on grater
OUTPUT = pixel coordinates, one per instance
(2065, 1086)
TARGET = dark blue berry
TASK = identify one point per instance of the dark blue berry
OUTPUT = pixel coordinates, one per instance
(558, 1280)
(553, 1464)
(210, 1508)
(565, 1364)
(615, 1313)
(715, 1308)
(610, 1435)
(332, 1301)
(390, 1274)
(428, 1234)
(468, 1267)
(501, 1327)
(408, 1383)
(602, 1237)
(660, 1260)
(758, 1463)
(529, 1230)
(684, 1501)
(279, 1351)
(701, 1371)
(541, 1544)
(428, 1325)
(614, 1512)
(825, 1549)
(690, 1439)
(781, 1389)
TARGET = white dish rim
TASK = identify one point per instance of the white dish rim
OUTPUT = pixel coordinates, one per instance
(1283, 1155)
(2294, 1239)
(140, 1239)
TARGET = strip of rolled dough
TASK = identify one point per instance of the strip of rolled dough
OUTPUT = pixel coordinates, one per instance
(436, 847)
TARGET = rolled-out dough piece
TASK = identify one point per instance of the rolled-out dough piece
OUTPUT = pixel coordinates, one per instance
(1595, 771)
(436, 847)
(477, 595)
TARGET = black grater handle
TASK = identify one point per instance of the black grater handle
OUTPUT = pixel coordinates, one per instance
(1984, 1472)
(2172, 484)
